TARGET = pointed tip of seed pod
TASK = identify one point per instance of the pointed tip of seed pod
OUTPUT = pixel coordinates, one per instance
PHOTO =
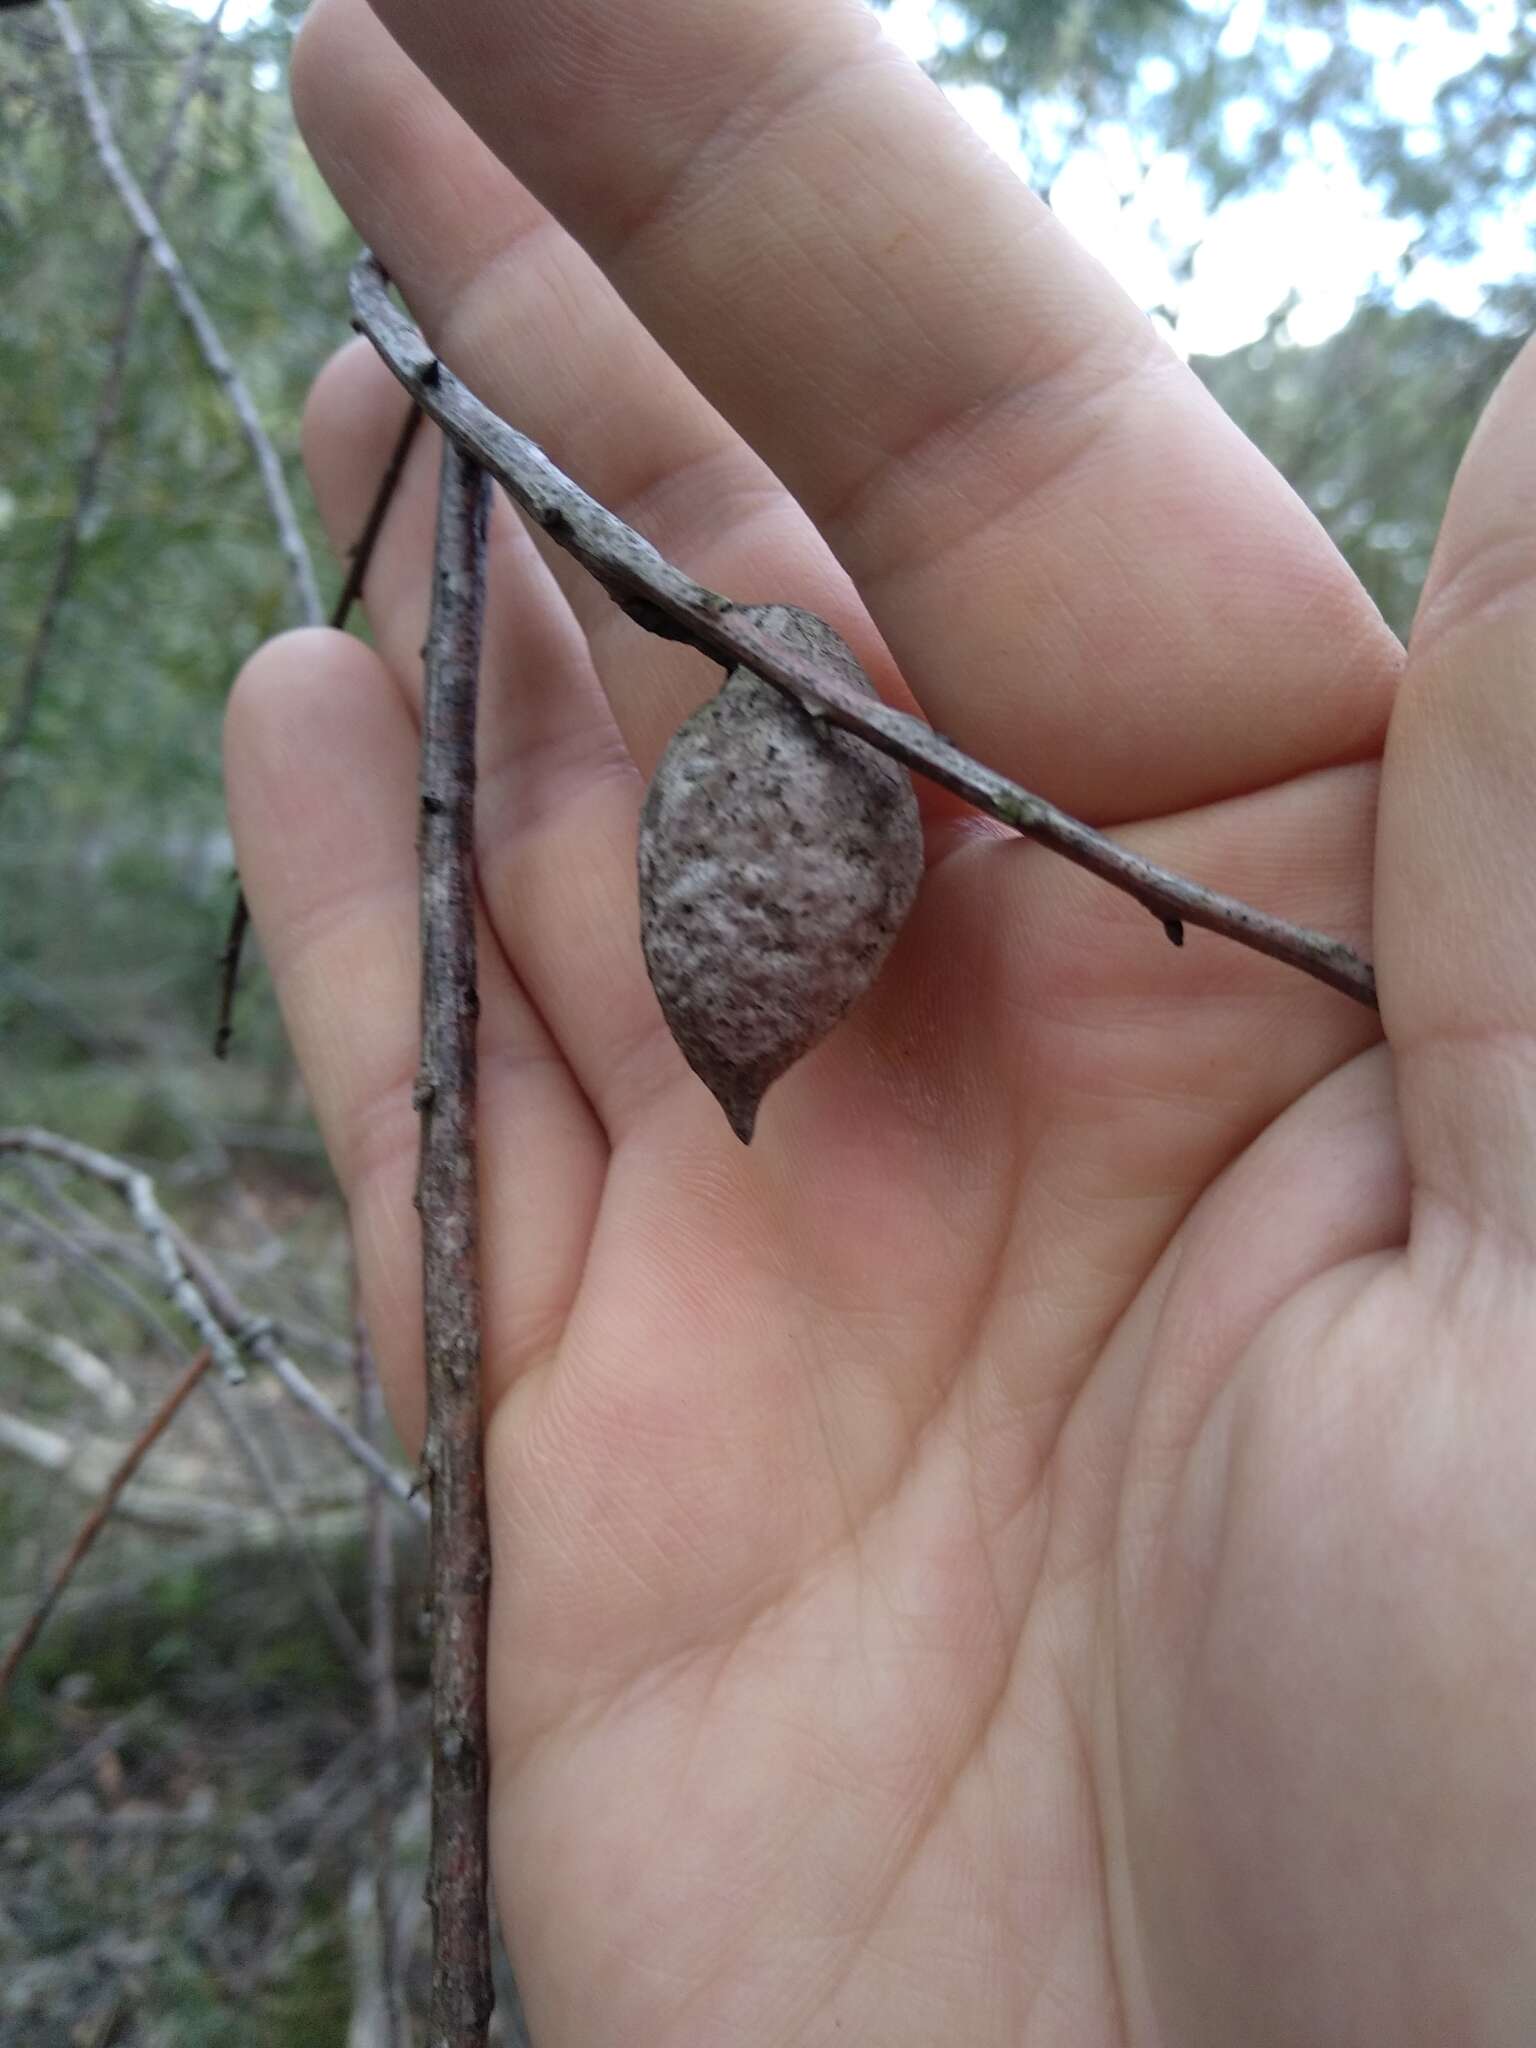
(741, 1107)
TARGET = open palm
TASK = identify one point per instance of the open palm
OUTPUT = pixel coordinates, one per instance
(1034, 1550)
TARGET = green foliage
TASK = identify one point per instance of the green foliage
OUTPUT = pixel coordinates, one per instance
(1241, 101)
(1090, 51)
(1370, 425)
(115, 871)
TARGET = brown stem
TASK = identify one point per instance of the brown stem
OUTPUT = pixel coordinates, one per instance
(341, 611)
(95, 1521)
(659, 596)
(462, 1993)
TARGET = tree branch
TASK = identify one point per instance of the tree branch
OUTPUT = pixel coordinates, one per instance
(462, 1993)
(661, 598)
(215, 355)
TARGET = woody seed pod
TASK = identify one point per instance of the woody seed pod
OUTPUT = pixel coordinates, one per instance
(778, 860)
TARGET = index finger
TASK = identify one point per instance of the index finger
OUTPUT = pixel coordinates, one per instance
(1086, 574)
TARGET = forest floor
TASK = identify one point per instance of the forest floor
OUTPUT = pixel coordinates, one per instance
(195, 1802)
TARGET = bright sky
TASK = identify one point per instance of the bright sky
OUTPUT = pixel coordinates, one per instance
(1319, 234)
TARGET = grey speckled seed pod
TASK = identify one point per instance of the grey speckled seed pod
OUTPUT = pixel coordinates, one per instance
(779, 857)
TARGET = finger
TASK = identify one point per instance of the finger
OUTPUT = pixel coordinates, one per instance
(1052, 525)
(556, 807)
(1456, 857)
(321, 762)
(517, 306)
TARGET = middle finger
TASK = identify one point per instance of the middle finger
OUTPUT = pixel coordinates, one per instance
(1053, 525)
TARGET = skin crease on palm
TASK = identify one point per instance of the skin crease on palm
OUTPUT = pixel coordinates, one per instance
(1036, 1551)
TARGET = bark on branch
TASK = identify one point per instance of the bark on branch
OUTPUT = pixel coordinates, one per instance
(462, 1993)
(660, 597)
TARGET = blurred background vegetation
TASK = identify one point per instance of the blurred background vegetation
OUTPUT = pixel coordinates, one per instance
(189, 1674)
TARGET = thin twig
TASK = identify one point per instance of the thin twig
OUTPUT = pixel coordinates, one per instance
(187, 1276)
(661, 598)
(205, 1298)
(257, 1338)
(88, 1372)
(108, 407)
(370, 2023)
(303, 1390)
(211, 1553)
(361, 555)
(229, 972)
(210, 342)
(332, 1804)
(332, 1614)
(60, 1776)
(26, 1226)
(95, 1521)
(462, 1991)
(138, 1191)
(384, 1698)
(333, 1816)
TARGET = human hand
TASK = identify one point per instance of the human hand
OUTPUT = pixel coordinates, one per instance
(1034, 1550)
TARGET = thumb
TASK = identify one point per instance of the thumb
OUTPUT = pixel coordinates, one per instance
(1456, 846)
